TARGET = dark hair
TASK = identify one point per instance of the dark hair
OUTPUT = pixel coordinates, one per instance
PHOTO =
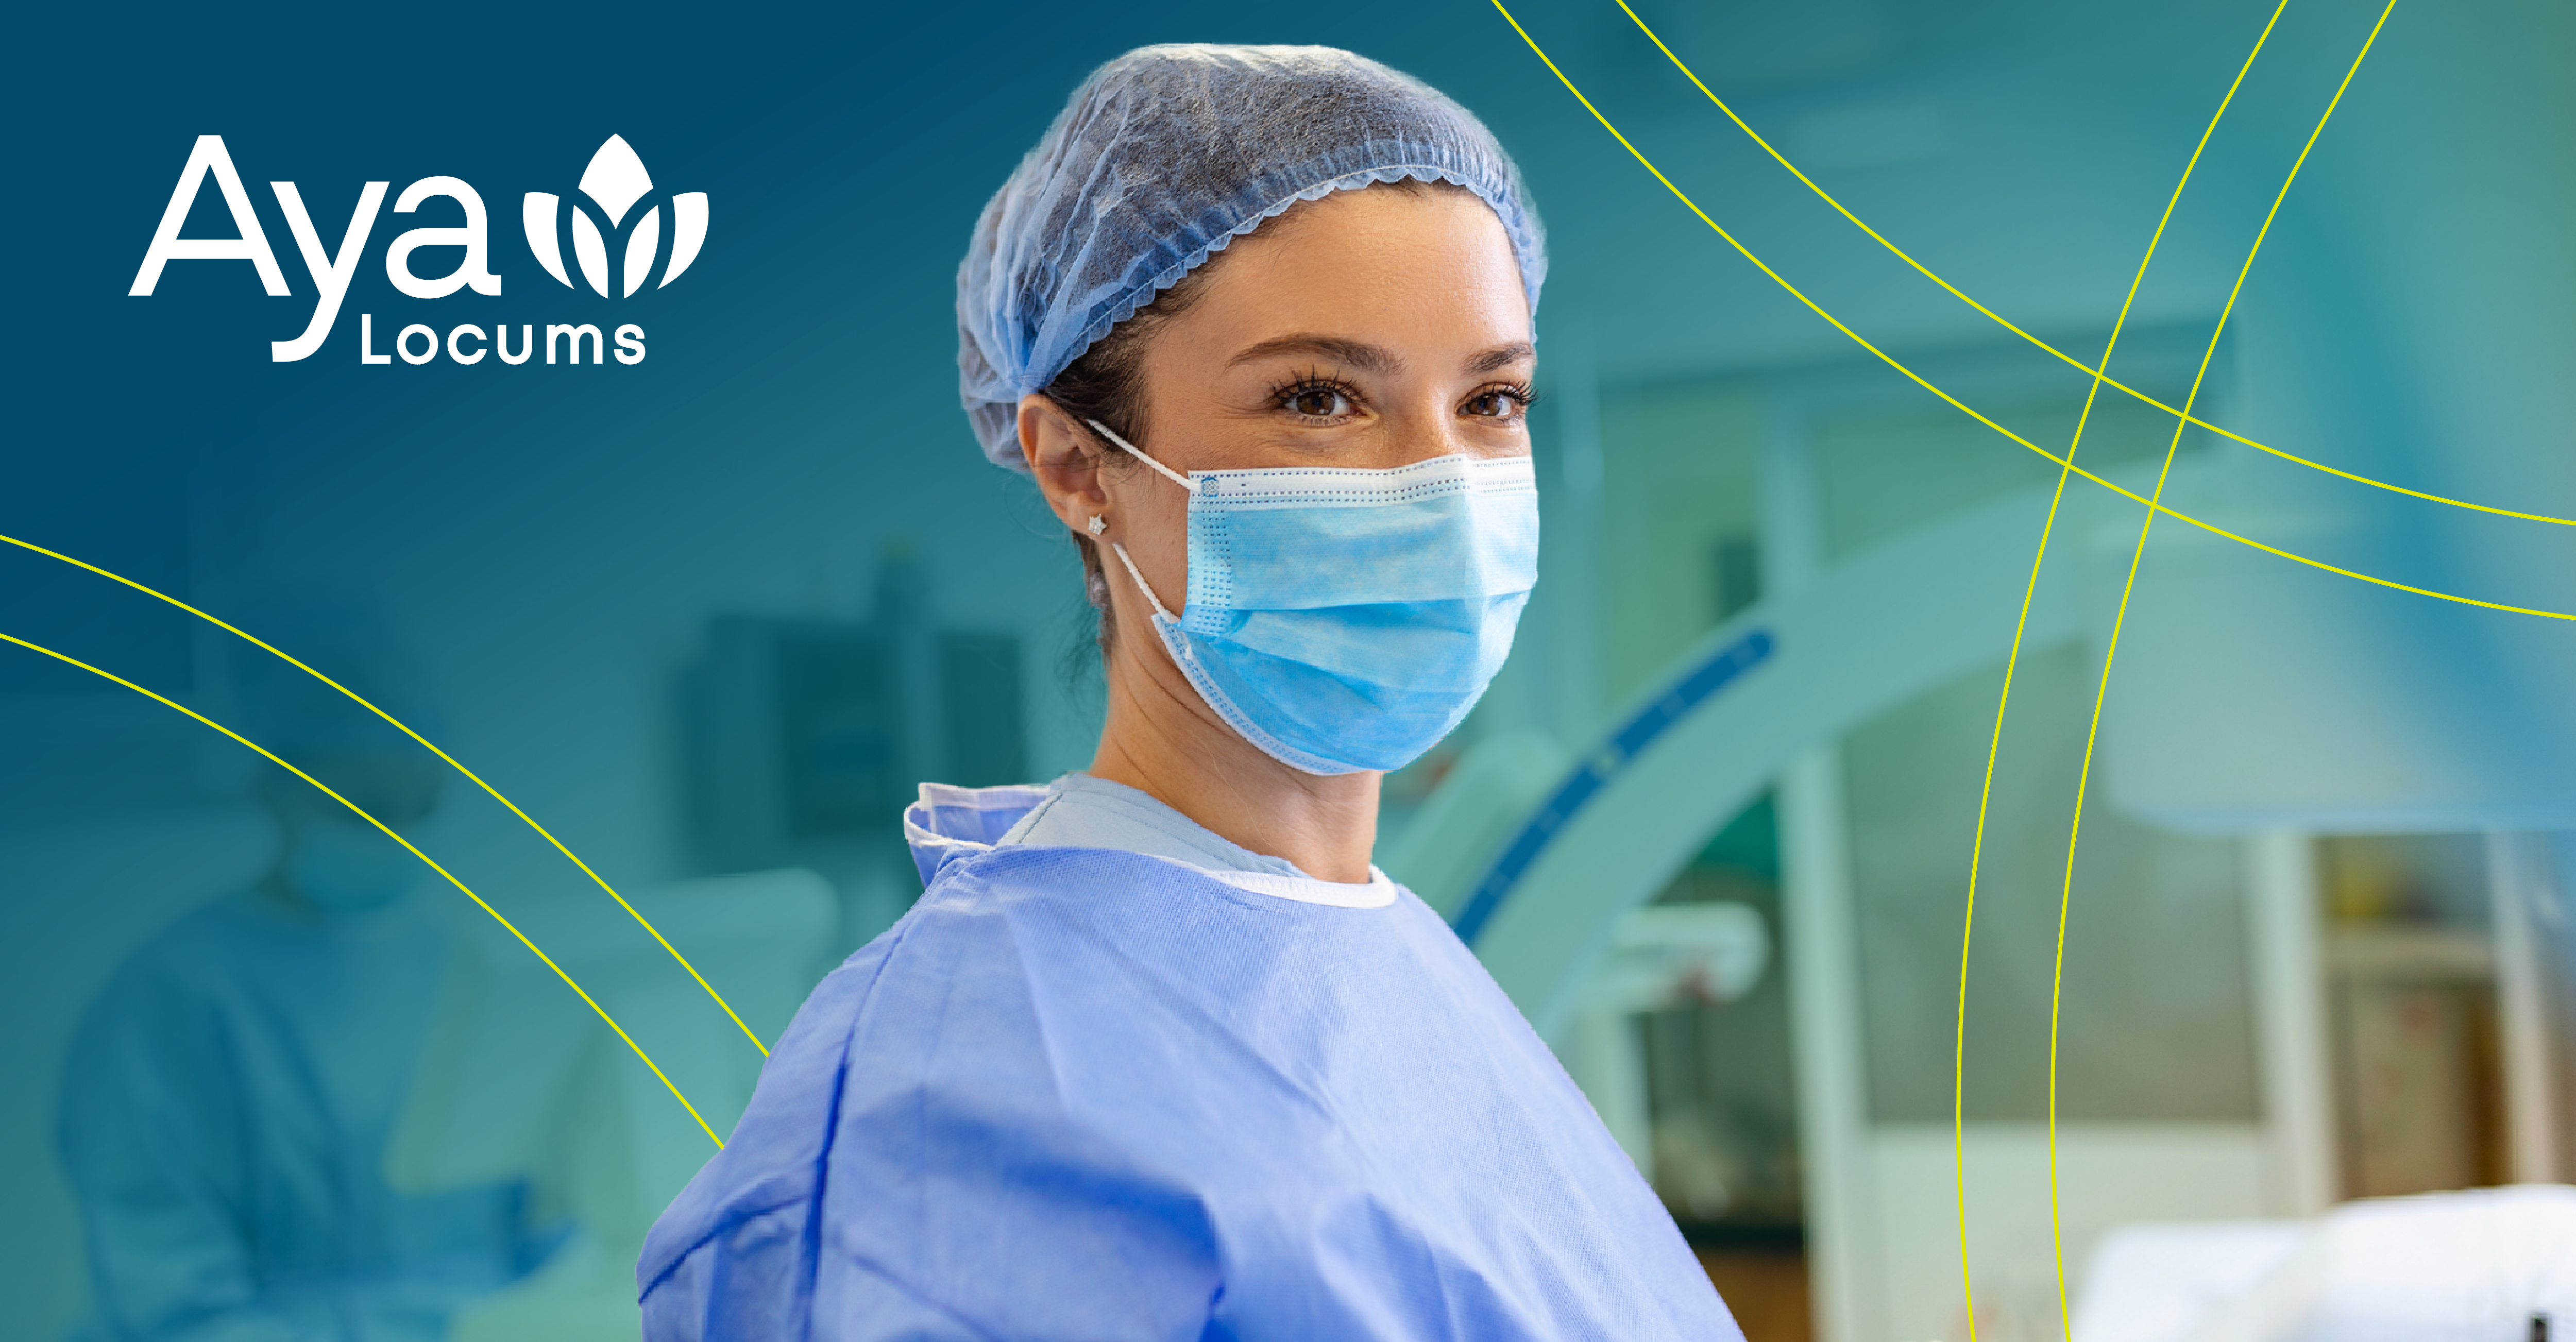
(1108, 384)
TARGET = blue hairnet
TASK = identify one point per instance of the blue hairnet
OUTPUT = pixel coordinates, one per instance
(1164, 156)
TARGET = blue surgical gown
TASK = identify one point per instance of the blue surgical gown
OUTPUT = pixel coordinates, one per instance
(1085, 1093)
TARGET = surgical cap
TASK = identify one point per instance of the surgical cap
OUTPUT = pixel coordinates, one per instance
(1164, 156)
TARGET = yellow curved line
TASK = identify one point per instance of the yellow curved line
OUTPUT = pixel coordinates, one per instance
(399, 725)
(2111, 651)
(1926, 272)
(2012, 661)
(1965, 409)
(407, 845)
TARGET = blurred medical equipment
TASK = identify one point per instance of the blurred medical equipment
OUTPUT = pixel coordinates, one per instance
(2289, 1051)
(1471, 813)
(1163, 157)
(519, 1081)
(807, 736)
(1659, 957)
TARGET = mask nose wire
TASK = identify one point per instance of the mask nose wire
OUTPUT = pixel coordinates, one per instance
(1167, 473)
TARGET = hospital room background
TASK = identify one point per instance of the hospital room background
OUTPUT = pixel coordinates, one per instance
(708, 617)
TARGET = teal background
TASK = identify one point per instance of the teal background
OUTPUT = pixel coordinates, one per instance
(555, 542)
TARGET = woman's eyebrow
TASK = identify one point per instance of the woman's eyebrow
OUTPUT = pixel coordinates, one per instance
(1500, 357)
(1369, 358)
(1358, 354)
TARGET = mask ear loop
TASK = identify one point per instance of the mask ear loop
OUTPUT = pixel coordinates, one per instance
(1132, 450)
(1167, 473)
(1121, 552)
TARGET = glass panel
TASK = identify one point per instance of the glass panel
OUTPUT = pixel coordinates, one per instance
(1681, 479)
(2155, 1020)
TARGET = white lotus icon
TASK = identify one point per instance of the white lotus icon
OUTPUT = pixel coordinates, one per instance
(614, 181)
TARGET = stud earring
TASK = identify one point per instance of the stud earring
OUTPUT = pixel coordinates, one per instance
(1098, 524)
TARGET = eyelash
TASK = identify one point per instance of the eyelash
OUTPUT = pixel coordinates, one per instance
(1303, 383)
(1522, 394)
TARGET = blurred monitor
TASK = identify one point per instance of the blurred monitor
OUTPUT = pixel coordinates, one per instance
(809, 736)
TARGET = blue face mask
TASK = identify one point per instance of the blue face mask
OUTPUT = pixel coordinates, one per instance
(1344, 620)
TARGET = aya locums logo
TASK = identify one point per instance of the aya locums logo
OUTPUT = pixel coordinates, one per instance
(603, 213)
(614, 181)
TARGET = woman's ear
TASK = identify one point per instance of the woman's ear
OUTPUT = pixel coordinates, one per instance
(1063, 459)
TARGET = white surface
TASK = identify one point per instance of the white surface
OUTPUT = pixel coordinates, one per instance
(2108, 1175)
(2156, 1283)
(2476, 1266)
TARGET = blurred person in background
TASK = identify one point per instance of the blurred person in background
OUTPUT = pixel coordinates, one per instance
(229, 1095)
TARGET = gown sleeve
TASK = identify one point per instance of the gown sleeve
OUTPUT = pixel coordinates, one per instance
(738, 1255)
(757, 1282)
(908, 1170)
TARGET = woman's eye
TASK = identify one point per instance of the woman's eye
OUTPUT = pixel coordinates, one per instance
(1319, 402)
(1494, 405)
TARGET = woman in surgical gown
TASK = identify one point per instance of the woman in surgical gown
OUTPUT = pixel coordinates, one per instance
(1158, 1053)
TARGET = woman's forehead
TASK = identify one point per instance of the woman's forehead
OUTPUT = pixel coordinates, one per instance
(1404, 279)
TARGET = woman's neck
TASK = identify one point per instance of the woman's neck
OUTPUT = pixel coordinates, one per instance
(1162, 740)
